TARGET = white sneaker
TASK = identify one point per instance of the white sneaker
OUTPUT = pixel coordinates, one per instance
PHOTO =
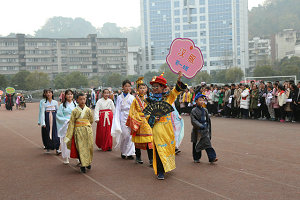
(66, 161)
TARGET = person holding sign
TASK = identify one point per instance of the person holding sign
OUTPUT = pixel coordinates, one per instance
(162, 129)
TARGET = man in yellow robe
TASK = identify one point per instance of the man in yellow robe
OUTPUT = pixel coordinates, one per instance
(80, 126)
(163, 134)
(140, 129)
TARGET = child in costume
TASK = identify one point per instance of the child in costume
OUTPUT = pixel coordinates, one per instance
(141, 131)
(80, 126)
(48, 121)
(103, 116)
(119, 129)
(201, 133)
(162, 129)
(62, 121)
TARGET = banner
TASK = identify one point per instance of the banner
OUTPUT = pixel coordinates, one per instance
(184, 56)
(10, 90)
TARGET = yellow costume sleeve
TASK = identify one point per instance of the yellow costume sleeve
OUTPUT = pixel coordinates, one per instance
(134, 119)
(71, 128)
(90, 116)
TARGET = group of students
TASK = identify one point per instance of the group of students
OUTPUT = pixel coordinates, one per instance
(67, 128)
(8, 101)
(259, 100)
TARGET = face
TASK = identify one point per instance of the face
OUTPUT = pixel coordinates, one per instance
(157, 88)
(105, 94)
(200, 102)
(81, 101)
(49, 95)
(126, 88)
(242, 87)
(69, 96)
(254, 87)
(298, 85)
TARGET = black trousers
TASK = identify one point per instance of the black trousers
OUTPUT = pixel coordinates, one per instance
(149, 152)
(45, 137)
(160, 167)
(211, 154)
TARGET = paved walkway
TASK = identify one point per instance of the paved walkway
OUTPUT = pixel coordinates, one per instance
(257, 160)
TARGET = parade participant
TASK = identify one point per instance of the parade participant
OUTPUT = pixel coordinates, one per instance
(18, 101)
(80, 127)
(201, 133)
(162, 129)
(9, 101)
(141, 131)
(48, 121)
(119, 129)
(178, 125)
(62, 121)
(103, 116)
(43, 129)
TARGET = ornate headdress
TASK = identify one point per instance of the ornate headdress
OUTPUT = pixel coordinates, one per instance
(159, 79)
(139, 82)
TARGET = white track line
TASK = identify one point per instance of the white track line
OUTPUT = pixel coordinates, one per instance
(87, 176)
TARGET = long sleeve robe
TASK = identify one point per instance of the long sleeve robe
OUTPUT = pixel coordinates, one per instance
(119, 129)
(80, 126)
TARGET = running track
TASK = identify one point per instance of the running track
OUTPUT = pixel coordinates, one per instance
(257, 160)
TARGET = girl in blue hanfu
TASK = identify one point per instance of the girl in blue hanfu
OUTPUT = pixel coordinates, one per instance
(119, 129)
(162, 129)
(62, 121)
(178, 125)
(48, 121)
(43, 129)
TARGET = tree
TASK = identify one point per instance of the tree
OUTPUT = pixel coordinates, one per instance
(114, 80)
(265, 20)
(110, 30)
(95, 82)
(60, 81)
(149, 75)
(37, 80)
(168, 74)
(202, 76)
(133, 35)
(76, 80)
(19, 80)
(63, 27)
(219, 76)
(234, 74)
(261, 71)
(3, 82)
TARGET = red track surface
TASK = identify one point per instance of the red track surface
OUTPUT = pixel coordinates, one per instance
(257, 160)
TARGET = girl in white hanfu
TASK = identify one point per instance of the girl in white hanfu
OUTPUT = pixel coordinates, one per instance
(103, 116)
(119, 129)
(62, 121)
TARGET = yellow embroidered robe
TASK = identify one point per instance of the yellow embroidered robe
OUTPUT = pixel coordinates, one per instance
(140, 129)
(164, 139)
(80, 126)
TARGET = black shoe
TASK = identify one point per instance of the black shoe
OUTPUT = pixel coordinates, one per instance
(138, 160)
(177, 151)
(109, 150)
(213, 160)
(123, 157)
(151, 163)
(130, 157)
(82, 170)
(160, 176)
(89, 167)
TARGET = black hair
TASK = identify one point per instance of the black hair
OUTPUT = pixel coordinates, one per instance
(281, 87)
(44, 93)
(125, 82)
(270, 86)
(105, 90)
(48, 90)
(80, 95)
(65, 100)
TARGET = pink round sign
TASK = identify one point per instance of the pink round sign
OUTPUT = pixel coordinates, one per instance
(184, 56)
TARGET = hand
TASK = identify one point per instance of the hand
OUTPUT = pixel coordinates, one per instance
(157, 119)
(97, 121)
(44, 126)
(179, 76)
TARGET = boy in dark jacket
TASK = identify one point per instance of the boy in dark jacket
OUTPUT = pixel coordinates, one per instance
(201, 133)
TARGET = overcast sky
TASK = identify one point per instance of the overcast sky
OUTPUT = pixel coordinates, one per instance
(27, 16)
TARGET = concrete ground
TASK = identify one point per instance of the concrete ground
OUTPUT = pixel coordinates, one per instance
(257, 160)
